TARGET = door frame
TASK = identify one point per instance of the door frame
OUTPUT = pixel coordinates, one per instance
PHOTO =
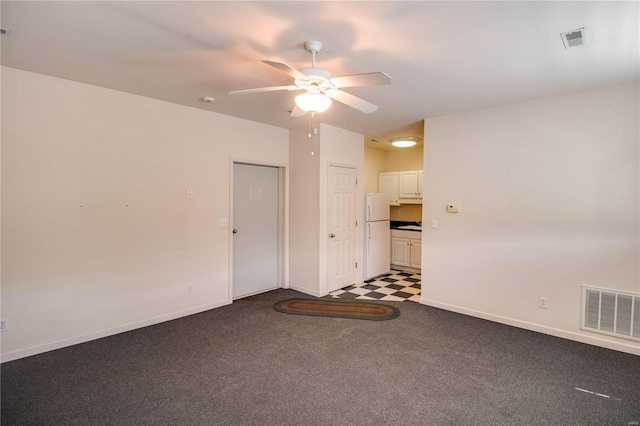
(283, 219)
(324, 226)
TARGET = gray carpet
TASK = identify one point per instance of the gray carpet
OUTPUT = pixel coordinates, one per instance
(246, 364)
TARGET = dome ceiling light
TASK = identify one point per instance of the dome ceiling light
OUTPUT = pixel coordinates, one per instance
(404, 142)
(313, 102)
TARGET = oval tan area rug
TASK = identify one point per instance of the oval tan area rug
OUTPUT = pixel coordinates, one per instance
(355, 309)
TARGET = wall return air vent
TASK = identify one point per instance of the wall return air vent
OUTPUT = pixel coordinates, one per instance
(574, 38)
(611, 312)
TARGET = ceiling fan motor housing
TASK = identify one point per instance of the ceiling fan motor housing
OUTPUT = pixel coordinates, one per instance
(319, 80)
(316, 72)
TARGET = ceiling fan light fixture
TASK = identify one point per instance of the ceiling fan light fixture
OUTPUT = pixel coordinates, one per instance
(313, 102)
(404, 142)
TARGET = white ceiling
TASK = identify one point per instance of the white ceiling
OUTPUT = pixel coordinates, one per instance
(444, 57)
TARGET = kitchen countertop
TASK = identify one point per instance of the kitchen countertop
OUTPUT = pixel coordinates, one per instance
(400, 225)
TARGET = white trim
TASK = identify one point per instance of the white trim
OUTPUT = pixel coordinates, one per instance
(591, 340)
(307, 291)
(344, 166)
(255, 293)
(34, 350)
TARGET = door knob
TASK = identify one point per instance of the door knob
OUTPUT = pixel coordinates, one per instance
(332, 235)
(235, 231)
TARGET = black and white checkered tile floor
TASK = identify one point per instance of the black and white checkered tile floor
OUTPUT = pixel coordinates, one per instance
(397, 286)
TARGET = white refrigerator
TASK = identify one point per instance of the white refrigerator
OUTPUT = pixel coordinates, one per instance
(377, 238)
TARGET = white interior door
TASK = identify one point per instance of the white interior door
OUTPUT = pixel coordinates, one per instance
(255, 224)
(341, 250)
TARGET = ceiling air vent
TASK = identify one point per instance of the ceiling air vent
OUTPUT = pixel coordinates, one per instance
(574, 38)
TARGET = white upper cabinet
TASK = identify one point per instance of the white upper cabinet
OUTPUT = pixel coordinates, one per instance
(409, 186)
(388, 184)
(404, 187)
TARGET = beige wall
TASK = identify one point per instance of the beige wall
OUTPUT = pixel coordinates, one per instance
(549, 195)
(401, 159)
(396, 160)
(407, 212)
(374, 163)
(97, 234)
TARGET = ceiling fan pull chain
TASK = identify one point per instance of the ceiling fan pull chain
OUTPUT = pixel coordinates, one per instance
(311, 114)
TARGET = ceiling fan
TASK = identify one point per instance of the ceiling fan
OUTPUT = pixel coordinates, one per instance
(320, 87)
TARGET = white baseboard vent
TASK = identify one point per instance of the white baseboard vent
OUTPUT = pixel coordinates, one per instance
(611, 312)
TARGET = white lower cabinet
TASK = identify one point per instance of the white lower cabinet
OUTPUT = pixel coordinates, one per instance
(416, 254)
(400, 251)
(406, 249)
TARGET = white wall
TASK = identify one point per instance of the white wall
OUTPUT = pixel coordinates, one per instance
(304, 205)
(549, 195)
(341, 148)
(97, 233)
(308, 201)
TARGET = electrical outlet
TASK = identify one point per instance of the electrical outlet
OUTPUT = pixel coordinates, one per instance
(543, 303)
(4, 324)
(189, 288)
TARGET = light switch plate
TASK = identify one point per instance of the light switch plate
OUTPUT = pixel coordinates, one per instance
(222, 222)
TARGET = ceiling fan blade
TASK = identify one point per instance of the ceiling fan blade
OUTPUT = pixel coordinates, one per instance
(366, 79)
(352, 101)
(286, 69)
(263, 89)
(297, 112)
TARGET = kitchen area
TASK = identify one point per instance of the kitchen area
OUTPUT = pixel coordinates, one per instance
(393, 224)
(397, 171)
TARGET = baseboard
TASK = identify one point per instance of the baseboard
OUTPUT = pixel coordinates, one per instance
(35, 350)
(306, 291)
(406, 269)
(629, 348)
